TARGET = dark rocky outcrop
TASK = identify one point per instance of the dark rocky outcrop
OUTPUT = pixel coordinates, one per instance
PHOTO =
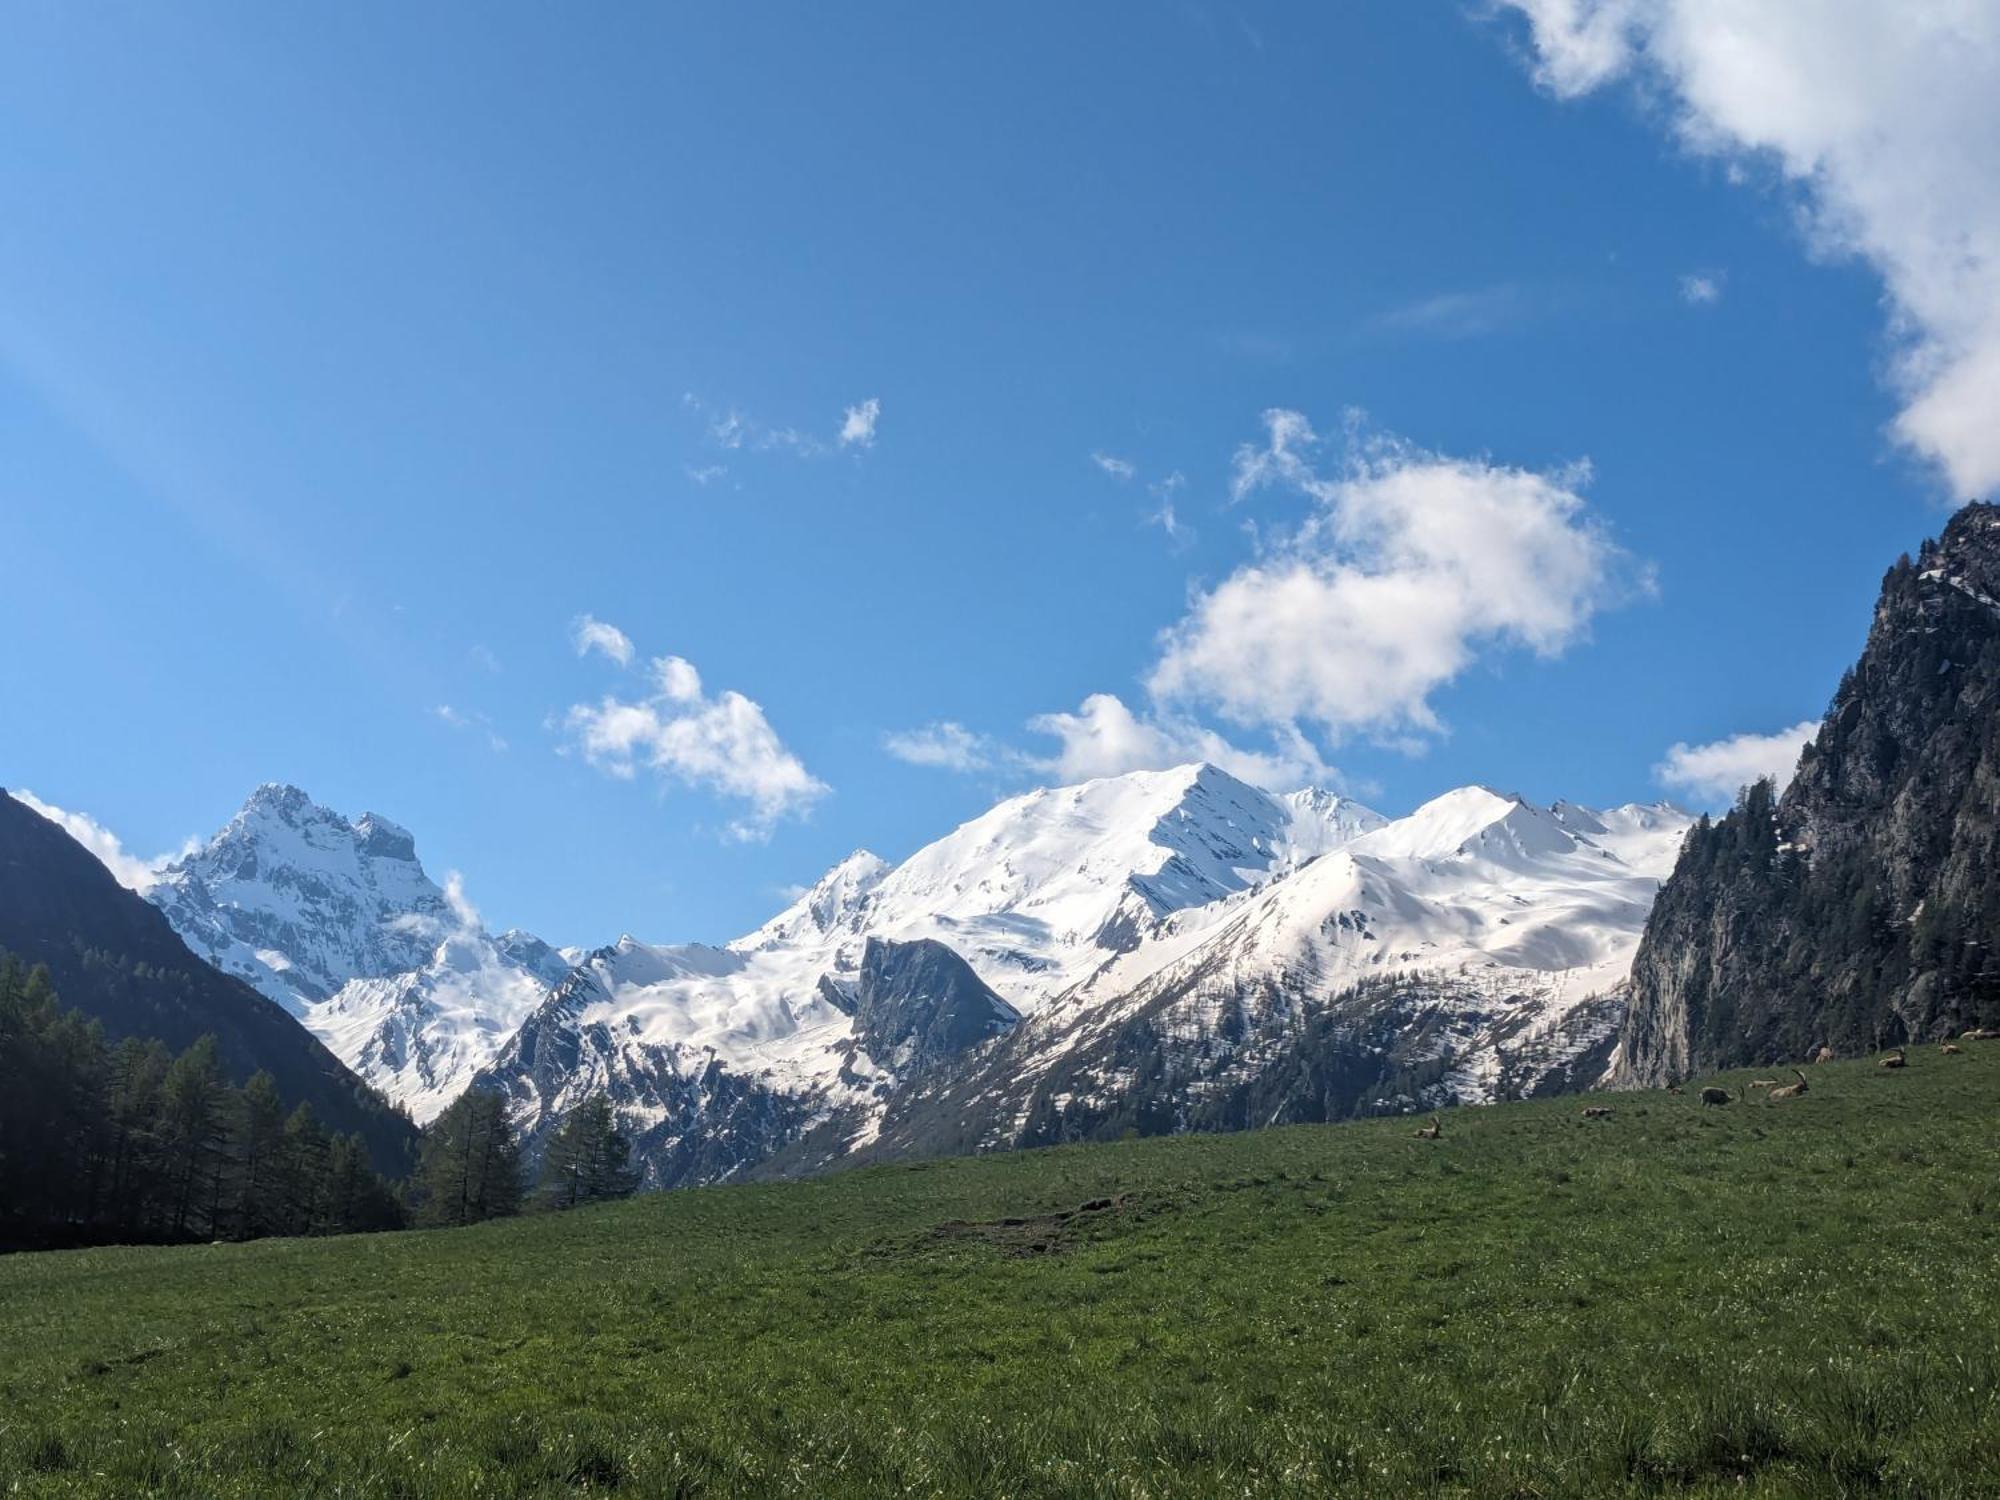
(1861, 907)
(919, 1003)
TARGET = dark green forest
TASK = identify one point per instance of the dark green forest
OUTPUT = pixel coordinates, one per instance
(128, 1142)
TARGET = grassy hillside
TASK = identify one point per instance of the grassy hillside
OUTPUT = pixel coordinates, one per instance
(1763, 1299)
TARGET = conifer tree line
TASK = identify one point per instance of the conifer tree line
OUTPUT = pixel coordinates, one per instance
(105, 1144)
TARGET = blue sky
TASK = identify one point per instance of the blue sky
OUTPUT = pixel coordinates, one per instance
(350, 358)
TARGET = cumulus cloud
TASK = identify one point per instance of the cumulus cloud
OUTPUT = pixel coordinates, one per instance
(126, 868)
(1881, 117)
(1409, 565)
(588, 634)
(857, 424)
(680, 732)
(1715, 771)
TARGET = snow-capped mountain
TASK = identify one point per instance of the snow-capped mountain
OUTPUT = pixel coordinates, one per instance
(771, 1033)
(1475, 949)
(1070, 913)
(338, 923)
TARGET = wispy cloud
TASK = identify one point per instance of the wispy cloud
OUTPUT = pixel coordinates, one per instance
(1881, 119)
(1166, 516)
(947, 746)
(1702, 288)
(471, 721)
(1459, 314)
(1714, 772)
(588, 634)
(733, 430)
(128, 869)
(677, 730)
(1118, 468)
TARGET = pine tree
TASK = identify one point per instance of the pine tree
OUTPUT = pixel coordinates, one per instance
(134, 1090)
(304, 1152)
(470, 1167)
(193, 1099)
(260, 1142)
(588, 1161)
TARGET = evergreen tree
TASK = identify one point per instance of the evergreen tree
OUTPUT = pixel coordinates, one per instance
(470, 1166)
(304, 1153)
(193, 1122)
(588, 1161)
(260, 1148)
(130, 1143)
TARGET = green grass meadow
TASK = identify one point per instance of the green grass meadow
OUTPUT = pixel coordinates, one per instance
(1794, 1298)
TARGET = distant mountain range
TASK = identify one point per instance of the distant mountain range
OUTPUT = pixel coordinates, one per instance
(1177, 950)
(995, 979)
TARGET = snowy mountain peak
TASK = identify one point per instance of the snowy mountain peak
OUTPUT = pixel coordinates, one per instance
(836, 900)
(1471, 821)
(336, 921)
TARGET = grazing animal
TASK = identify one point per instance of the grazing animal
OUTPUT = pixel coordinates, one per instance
(1895, 1059)
(1675, 1088)
(1597, 1112)
(1790, 1090)
(1825, 1054)
(1431, 1131)
(1951, 1049)
(1978, 1035)
(1713, 1095)
(1763, 1083)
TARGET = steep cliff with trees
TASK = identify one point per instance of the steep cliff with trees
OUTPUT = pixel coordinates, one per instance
(1861, 907)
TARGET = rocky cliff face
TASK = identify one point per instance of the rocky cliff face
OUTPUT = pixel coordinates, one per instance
(1860, 908)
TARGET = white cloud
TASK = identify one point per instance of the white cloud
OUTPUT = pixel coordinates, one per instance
(588, 634)
(1459, 315)
(1715, 771)
(127, 869)
(1166, 517)
(1104, 737)
(1118, 468)
(679, 732)
(945, 745)
(735, 430)
(1701, 289)
(857, 424)
(1408, 567)
(1882, 117)
(704, 474)
(473, 722)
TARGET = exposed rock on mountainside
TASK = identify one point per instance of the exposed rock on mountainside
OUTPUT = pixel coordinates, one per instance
(1860, 908)
(117, 960)
(337, 922)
